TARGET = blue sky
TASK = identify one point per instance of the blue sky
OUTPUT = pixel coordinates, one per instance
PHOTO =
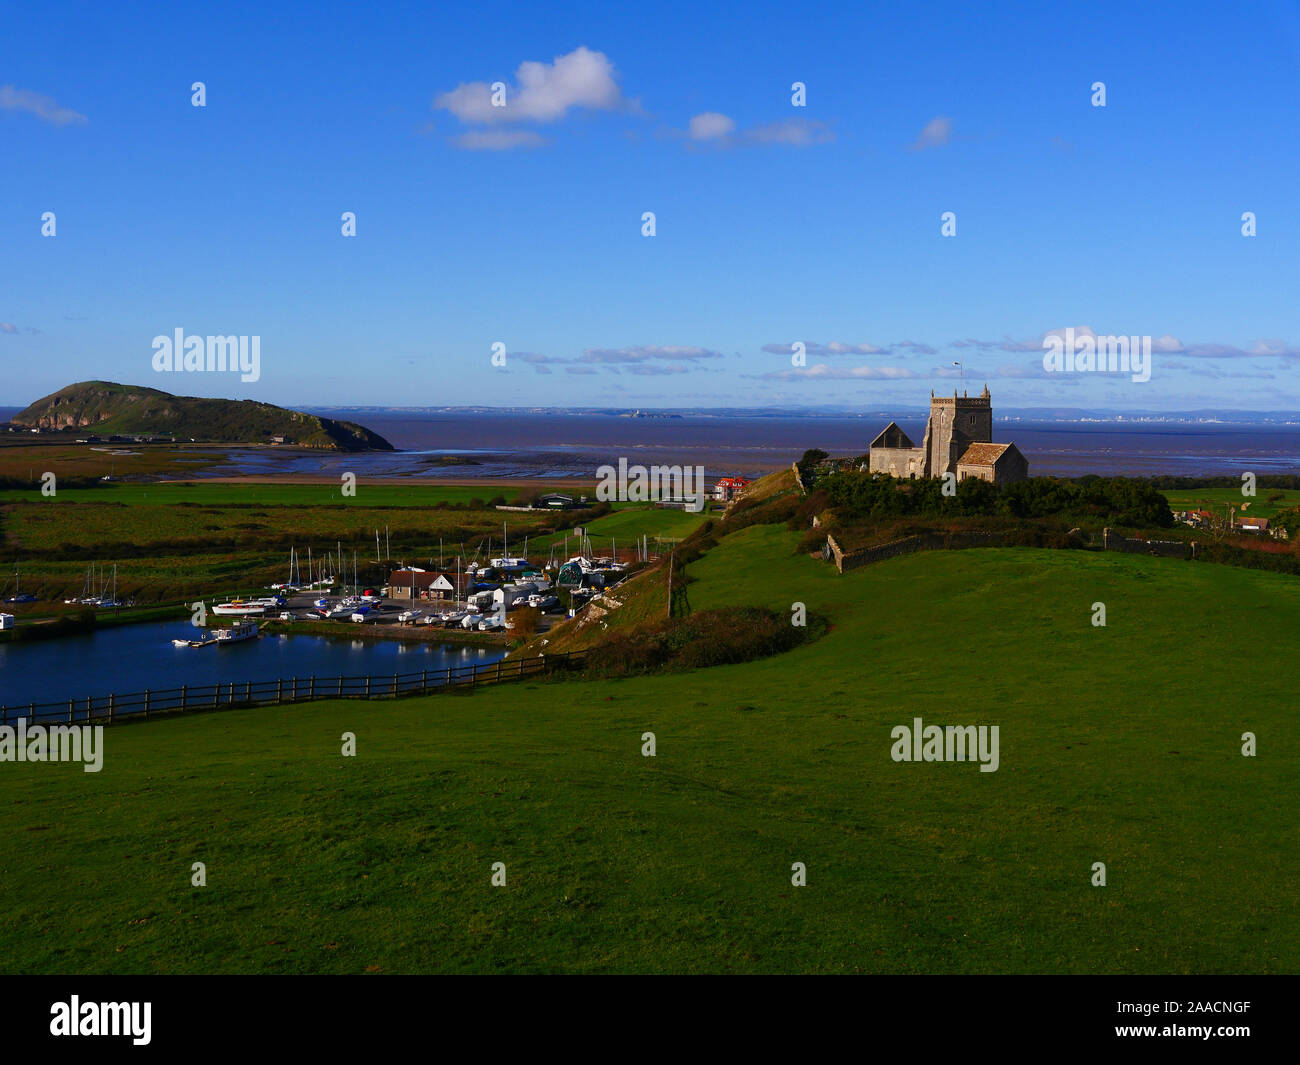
(523, 225)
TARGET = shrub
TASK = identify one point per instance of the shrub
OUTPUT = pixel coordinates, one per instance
(709, 638)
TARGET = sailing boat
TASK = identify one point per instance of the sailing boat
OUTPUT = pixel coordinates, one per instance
(18, 597)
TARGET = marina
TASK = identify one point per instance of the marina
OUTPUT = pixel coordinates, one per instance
(145, 656)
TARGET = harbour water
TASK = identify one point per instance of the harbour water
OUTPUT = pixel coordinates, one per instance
(132, 658)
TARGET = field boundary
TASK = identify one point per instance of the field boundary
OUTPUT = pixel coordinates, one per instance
(224, 695)
(931, 541)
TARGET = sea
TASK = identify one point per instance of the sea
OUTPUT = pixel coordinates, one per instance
(486, 444)
(464, 445)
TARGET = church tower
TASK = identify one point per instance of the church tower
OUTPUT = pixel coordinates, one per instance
(955, 423)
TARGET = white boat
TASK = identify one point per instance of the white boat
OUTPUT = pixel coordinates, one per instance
(240, 608)
(360, 618)
(409, 615)
(239, 631)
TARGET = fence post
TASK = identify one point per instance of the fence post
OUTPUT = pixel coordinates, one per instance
(499, 661)
(424, 681)
(69, 711)
(279, 690)
(183, 691)
(311, 693)
(294, 697)
(112, 703)
(367, 685)
(248, 691)
(340, 695)
(146, 702)
(448, 677)
(395, 683)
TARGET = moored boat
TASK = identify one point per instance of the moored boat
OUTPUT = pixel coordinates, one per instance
(239, 631)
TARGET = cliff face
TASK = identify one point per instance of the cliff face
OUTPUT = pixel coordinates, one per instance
(108, 407)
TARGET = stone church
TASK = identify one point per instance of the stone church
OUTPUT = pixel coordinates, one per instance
(958, 440)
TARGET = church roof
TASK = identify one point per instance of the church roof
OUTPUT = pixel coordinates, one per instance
(983, 454)
(892, 436)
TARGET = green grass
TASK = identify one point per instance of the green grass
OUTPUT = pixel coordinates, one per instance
(1200, 498)
(624, 527)
(166, 493)
(1118, 744)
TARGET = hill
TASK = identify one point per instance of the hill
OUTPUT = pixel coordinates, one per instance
(107, 407)
(1119, 745)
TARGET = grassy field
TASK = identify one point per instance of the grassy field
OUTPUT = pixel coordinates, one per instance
(1197, 498)
(279, 494)
(624, 527)
(1118, 744)
(173, 540)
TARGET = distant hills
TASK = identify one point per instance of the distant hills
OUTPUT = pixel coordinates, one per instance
(109, 408)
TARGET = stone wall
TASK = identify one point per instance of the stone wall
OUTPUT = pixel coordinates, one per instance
(1112, 541)
(930, 541)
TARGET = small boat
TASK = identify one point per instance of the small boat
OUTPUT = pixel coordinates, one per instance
(239, 631)
(180, 643)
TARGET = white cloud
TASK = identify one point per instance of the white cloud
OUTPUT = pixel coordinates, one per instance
(43, 107)
(835, 347)
(647, 351)
(795, 132)
(937, 133)
(711, 125)
(542, 92)
(719, 130)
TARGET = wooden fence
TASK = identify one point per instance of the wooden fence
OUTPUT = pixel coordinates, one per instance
(108, 709)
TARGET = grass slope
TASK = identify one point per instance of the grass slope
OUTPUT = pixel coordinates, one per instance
(1119, 745)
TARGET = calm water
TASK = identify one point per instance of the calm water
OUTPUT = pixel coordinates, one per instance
(557, 445)
(131, 658)
(504, 445)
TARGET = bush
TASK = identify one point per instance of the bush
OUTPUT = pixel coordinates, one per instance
(709, 638)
